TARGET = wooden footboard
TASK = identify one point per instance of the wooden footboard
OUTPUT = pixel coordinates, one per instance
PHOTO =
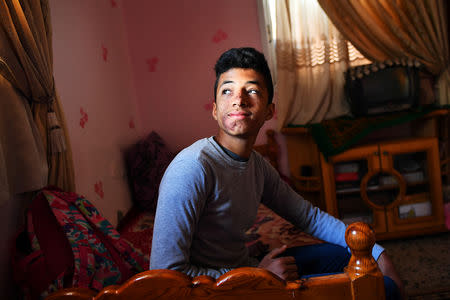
(361, 280)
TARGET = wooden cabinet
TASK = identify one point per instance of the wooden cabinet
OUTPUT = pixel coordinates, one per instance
(303, 154)
(395, 186)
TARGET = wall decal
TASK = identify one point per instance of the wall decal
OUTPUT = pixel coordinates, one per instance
(98, 187)
(152, 62)
(104, 53)
(219, 36)
(208, 106)
(113, 3)
(131, 124)
(84, 117)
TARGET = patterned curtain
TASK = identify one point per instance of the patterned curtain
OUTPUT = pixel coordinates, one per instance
(395, 30)
(311, 58)
(37, 151)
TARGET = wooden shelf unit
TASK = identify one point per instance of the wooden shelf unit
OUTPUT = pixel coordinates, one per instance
(303, 151)
(320, 188)
(372, 200)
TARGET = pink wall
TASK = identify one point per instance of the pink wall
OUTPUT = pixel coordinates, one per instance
(173, 48)
(125, 68)
(93, 77)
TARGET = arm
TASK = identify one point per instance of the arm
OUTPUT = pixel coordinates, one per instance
(182, 196)
(387, 268)
(280, 197)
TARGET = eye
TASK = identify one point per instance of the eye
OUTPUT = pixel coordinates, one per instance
(226, 92)
(253, 92)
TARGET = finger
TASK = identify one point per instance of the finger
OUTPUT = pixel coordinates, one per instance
(291, 275)
(291, 268)
(277, 251)
(288, 267)
(289, 260)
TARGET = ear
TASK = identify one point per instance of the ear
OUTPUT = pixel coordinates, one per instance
(270, 111)
(214, 111)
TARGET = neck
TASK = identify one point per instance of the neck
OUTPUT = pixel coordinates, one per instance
(240, 146)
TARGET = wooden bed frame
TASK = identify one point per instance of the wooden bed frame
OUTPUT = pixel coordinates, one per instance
(360, 280)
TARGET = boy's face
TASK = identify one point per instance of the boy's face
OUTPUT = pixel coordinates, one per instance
(241, 106)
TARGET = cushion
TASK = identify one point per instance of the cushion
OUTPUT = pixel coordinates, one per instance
(146, 162)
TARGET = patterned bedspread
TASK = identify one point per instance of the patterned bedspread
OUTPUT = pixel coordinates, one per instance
(268, 232)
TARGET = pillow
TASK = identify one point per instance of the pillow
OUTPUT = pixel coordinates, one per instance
(146, 162)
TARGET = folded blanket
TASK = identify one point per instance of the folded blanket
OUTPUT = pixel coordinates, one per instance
(337, 135)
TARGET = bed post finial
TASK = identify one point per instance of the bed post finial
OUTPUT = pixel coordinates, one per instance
(360, 238)
(362, 267)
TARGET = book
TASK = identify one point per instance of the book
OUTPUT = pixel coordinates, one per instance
(350, 176)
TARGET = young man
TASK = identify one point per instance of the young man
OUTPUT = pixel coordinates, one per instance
(211, 191)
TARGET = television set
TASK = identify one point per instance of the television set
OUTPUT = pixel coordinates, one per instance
(377, 88)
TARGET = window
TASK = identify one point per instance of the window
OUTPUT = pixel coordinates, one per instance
(308, 57)
(317, 33)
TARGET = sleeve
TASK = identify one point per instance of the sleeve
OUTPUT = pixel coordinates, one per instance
(282, 199)
(182, 197)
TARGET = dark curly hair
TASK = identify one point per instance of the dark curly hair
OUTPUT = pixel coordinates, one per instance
(245, 58)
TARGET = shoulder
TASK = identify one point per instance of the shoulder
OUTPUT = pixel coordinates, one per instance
(189, 172)
(195, 154)
(189, 157)
(193, 161)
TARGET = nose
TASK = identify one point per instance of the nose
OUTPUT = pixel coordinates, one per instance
(240, 99)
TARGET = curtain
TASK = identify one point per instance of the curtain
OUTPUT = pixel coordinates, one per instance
(34, 144)
(397, 29)
(312, 57)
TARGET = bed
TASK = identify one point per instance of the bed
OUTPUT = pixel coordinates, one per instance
(361, 280)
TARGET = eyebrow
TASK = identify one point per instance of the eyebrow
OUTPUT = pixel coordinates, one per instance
(227, 81)
(250, 81)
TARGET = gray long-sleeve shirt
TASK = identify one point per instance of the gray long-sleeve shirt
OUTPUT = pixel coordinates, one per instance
(207, 201)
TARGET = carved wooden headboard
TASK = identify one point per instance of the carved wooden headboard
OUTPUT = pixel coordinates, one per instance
(361, 280)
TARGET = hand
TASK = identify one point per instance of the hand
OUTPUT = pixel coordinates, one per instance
(387, 268)
(284, 267)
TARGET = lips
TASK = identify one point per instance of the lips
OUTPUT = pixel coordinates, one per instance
(239, 114)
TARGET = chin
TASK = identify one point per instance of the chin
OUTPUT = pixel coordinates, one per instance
(240, 130)
(243, 133)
